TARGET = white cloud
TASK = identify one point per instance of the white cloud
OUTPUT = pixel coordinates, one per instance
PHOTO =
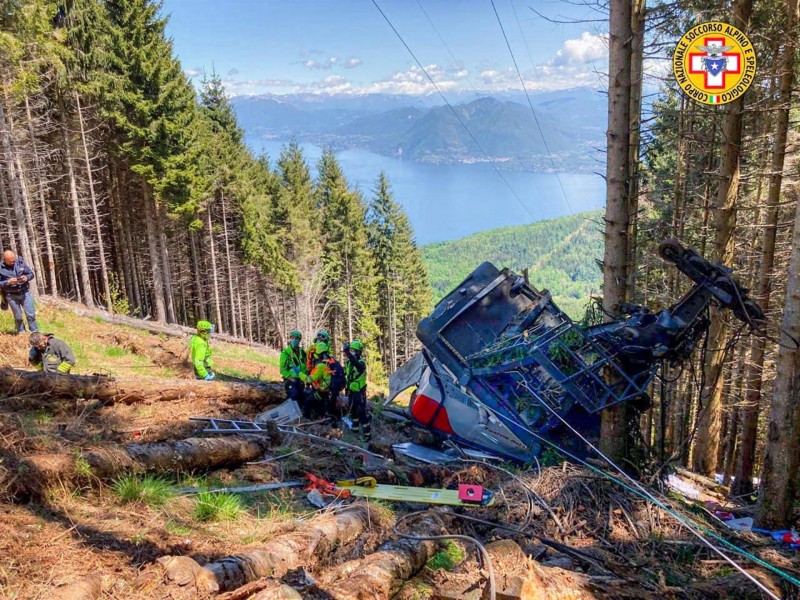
(352, 62)
(255, 86)
(585, 49)
(415, 82)
(321, 65)
(333, 84)
(494, 77)
(193, 72)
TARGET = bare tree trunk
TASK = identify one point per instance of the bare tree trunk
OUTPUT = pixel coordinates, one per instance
(16, 199)
(708, 439)
(152, 214)
(614, 426)
(233, 320)
(51, 259)
(248, 284)
(200, 305)
(743, 483)
(80, 242)
(380, 574)
(779, 476)
(317, 538)
(16, 382)
(637, 63)
(164, 250)
(111, 461)
(93, 197)
(214, 269)
(35, 257)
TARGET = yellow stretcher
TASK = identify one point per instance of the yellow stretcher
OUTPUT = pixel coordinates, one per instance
(465, 495)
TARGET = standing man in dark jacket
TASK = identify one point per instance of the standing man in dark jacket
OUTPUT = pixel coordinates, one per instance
(15, 283)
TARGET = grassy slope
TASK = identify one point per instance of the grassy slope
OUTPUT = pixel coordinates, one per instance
(560, 253)
(97, 352)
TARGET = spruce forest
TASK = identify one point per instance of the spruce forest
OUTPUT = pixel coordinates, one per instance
(725, 181)
(125, 188)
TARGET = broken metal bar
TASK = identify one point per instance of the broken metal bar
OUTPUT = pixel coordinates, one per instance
(243, 490)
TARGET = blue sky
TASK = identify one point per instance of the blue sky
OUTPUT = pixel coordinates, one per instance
(346, 47)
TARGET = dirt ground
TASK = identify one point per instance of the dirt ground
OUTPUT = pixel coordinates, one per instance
(577, 532)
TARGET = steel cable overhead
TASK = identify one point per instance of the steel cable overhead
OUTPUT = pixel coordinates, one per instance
(530, 104)
(455, 112)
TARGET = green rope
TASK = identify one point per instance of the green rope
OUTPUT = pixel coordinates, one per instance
(680, 518)
(699, 526)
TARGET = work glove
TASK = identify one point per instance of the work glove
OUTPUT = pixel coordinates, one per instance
(64, 368)
(209, 376)
(305, 378)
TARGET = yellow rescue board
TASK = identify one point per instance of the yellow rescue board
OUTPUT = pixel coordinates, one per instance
(402, 493)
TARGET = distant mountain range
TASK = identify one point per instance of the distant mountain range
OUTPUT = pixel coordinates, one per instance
(561, 255)
(423, 129)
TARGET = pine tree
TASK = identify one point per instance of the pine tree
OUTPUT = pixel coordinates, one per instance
(348, 266)
(153, 111)
(403, 289)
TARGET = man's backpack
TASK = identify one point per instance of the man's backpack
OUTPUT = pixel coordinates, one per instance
(338, 381)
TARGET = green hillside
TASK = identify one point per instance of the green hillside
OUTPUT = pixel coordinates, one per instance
(560, 253)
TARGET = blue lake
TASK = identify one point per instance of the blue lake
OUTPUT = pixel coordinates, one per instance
(446, 202)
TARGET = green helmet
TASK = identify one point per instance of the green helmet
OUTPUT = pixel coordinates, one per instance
(204, 326)
(295, 335)
(321, 348)
(356, 345)
(323, 336)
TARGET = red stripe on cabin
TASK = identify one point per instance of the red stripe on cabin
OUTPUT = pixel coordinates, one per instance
(423, 410)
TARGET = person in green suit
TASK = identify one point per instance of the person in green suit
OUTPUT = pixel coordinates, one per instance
(200, 352)
(355, 374)
(293, 368)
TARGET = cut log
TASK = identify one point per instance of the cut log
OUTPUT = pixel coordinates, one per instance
(280, 591)
(16, 382)
(36, 472)
(263, 589)
(382, 573)
(518, 578)
(154, 349)
(709, 484)
(89, 587)
(314, 540)
(171, 329)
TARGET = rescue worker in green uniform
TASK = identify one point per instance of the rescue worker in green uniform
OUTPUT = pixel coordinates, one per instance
(355, 375)
(49, 354)
(322, 336)
(293, 368)
(327, 381)
(200, 352)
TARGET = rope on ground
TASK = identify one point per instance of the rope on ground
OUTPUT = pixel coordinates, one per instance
(647, 495)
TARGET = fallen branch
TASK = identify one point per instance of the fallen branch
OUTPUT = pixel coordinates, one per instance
(706, 482)
(16, 382)
(171, 329)
(380, 574)
(314, 540)
(35, 472)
